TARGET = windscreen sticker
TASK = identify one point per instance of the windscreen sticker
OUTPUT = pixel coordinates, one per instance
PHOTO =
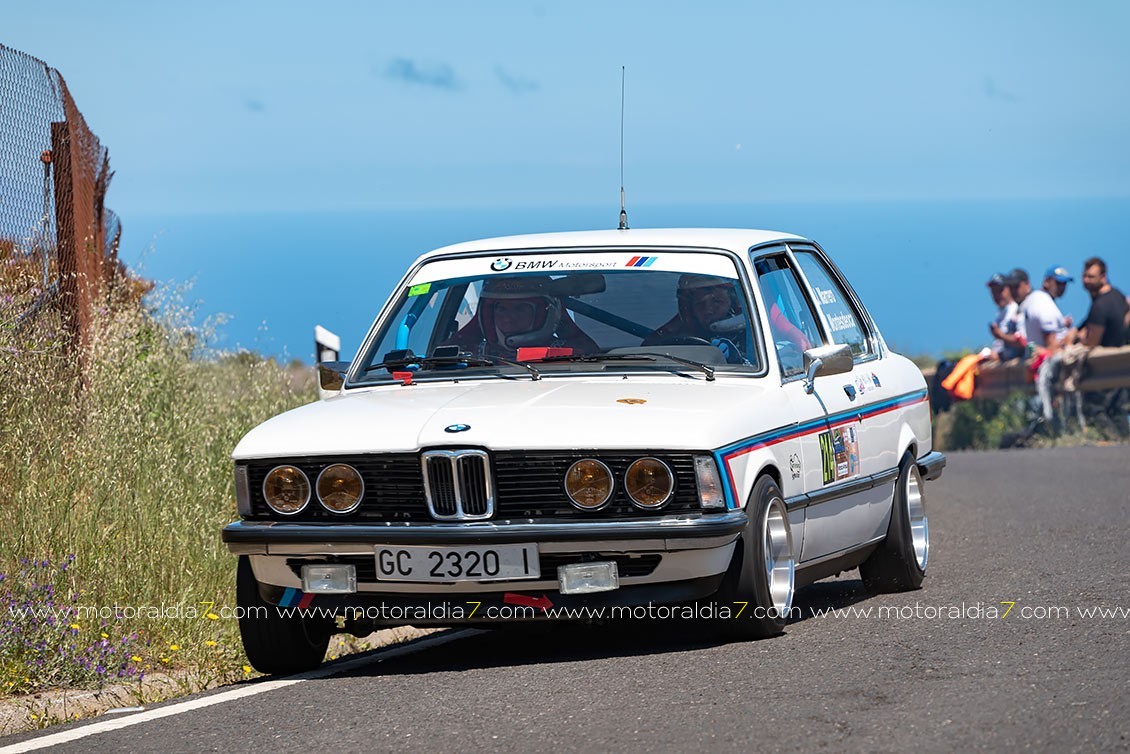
(705, 263)
(839, 452)
(419, 290)
(842, 322)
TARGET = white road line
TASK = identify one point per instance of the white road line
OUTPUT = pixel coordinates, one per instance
(263, 687)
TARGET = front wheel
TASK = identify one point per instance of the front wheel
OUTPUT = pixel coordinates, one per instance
(758, 588)
(899, 565)
(276, 643)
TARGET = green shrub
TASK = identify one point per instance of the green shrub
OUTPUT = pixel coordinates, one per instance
(980, 424)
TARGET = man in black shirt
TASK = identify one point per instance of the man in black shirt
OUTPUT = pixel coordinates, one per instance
(1106, 322)
(1106, 325)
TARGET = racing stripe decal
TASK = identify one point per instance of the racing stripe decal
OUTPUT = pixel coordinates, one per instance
(766, 439)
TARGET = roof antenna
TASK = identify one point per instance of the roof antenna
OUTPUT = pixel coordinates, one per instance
(623, 211)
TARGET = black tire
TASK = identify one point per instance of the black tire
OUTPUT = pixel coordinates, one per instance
(274, 643)
(899, 565)
(768, 596)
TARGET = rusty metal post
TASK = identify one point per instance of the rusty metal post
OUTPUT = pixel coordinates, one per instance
(72, 223)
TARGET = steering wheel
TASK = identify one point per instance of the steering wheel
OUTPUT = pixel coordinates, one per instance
(681, 340)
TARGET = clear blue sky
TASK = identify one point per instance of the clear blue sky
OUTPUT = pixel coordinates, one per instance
(238, 106)
(429, 123)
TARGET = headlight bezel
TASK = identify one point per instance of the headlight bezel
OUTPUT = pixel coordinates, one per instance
(671, 480)
(607, 472)
(322, 499)
(305, 481)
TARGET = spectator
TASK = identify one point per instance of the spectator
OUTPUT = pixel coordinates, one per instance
(1106, 321)
(1055, 284)
(1008, 342)
(1045, 328)
(1105, 326)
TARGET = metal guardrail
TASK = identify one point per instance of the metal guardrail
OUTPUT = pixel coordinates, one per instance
(1106, 369)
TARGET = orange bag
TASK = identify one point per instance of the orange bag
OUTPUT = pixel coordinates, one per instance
(962, 380)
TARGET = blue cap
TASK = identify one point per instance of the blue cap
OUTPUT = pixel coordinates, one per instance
(1059, 273)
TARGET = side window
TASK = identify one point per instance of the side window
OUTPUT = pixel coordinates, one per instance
(791, 319)
(843, 321)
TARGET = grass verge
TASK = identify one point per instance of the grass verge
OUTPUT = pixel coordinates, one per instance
(115, 480)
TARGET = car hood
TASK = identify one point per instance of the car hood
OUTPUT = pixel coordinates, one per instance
(675, 413)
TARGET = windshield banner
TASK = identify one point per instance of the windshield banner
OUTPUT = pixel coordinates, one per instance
(705, 263)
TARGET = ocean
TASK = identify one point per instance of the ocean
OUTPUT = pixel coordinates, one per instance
(920, 267)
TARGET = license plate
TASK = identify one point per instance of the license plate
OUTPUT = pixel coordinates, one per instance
(495, 563)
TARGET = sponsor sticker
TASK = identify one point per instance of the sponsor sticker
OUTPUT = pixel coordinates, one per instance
(419, 290)
(794, 465)
(839, 453)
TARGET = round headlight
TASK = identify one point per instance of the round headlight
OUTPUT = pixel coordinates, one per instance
(649, 482)
(286, 489)
(340, 488)
(588, 483)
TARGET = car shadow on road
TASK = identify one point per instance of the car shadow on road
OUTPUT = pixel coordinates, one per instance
(816, 600)
(530, 643)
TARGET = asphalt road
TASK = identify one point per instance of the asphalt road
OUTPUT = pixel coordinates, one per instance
(1043, 529)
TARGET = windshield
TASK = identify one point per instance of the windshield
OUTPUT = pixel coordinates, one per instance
(592, 311)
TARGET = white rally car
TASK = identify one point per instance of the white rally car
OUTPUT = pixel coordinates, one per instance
(537, 426)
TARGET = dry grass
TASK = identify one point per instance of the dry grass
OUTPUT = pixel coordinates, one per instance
(127, 469)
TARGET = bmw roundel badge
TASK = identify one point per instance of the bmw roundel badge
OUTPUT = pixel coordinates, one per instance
(457, 428)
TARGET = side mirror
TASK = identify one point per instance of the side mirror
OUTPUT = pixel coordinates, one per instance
(331, 376)
(825, 360)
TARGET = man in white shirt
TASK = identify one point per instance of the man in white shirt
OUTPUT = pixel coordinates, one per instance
(1045, 327)
(1008, 339)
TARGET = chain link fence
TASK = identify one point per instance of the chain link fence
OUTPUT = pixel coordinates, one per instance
(58, 241)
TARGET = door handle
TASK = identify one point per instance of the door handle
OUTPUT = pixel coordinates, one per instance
(850, 390)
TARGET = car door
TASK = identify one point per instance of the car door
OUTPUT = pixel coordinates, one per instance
(860, 443)
(793, 327)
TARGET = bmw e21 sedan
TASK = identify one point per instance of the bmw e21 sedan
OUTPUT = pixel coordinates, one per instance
(543, 425)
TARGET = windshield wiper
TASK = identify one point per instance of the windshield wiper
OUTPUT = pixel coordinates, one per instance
(430, 362)
(637, 356)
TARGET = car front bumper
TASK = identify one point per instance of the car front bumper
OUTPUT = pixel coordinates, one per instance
(930, 466)
(694, 552)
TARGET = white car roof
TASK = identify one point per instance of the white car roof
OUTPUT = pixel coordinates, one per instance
(734, 239)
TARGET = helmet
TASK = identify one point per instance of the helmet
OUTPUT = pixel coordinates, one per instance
(692, 286)
(518, 311)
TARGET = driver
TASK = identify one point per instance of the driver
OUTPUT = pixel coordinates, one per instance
(710, 310)
(520, 312)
